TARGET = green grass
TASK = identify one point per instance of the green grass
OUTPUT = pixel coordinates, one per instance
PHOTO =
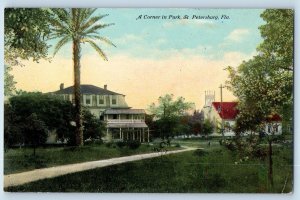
(20, 160)
(195, 171)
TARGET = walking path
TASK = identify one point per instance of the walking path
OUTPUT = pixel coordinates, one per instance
(38, 174)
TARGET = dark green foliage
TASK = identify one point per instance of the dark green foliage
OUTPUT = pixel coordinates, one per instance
(121, 144)
(26, 31)
(133, 144)
(200, 152)
(207, 128)
(54, 113)
(35, 132)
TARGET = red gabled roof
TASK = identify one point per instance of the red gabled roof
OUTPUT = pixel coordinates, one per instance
(274, 118)
(226, 110)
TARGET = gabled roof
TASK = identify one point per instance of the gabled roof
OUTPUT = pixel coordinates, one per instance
(87, 89)
(274, 118)
(226, 110)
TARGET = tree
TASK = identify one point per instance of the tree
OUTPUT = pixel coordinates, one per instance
(168, 113)
(9, 83)
(35, 132)
(264, 84)
(207, 128)
(195, 122)
(78, 26)
(93, 127)
(54, 112)
(26, 31)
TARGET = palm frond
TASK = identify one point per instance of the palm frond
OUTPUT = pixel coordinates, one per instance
(62, 14)
(96, 47)
(103, 39)
(86, 14)
(91, 22)
(95, 28)
(61, 43)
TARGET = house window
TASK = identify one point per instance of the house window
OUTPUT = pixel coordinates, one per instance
(88, 100)
(276, 128)
(115, 116)
(269, 128)
(114, 100)
(101, 100)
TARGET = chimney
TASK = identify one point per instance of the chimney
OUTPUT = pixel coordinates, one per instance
(105, 87)
(61, 87)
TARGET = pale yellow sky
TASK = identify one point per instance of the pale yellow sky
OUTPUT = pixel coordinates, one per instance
(141, 80)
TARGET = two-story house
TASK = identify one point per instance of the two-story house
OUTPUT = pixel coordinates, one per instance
(122, 122)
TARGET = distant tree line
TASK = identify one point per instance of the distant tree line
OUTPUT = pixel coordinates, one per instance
(170, 118)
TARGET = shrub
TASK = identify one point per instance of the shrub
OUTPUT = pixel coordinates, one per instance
(200, 152)
(121, 144)
(133, 144)
(177, 145)
(109, 144)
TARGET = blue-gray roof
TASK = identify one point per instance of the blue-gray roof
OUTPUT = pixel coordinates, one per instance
(87, 89)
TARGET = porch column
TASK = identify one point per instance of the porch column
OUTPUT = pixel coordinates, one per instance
(143, 135)
(106, 131)
(148, 135)
(120, 133)
(140, 132)
(133, 134)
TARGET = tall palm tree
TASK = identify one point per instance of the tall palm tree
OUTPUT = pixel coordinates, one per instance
(77, 25)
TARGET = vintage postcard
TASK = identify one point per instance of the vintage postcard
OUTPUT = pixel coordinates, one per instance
(141, 100)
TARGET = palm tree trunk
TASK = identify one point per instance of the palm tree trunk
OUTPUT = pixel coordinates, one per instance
(77, 93)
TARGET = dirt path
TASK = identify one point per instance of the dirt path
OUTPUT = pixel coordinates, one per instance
(38, 174)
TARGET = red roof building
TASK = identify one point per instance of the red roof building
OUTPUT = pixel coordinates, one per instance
(226, 110)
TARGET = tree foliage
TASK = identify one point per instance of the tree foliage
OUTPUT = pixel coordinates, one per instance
(168, 113)
(264, 84)
(53, 112)
(207, 128)
(26, 31)
(35, 132)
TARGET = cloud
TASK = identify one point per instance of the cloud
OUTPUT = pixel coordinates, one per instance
(129, 38)
(237, 35)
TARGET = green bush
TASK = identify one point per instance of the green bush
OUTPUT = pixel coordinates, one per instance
(133, 144)
(121, 144)
(109, 144)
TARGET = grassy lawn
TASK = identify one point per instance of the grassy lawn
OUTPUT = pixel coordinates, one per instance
(195, 171)
(20, 160)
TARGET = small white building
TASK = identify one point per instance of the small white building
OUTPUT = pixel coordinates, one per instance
(226, 112)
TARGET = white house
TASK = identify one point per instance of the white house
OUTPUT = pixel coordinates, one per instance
(122, 122)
